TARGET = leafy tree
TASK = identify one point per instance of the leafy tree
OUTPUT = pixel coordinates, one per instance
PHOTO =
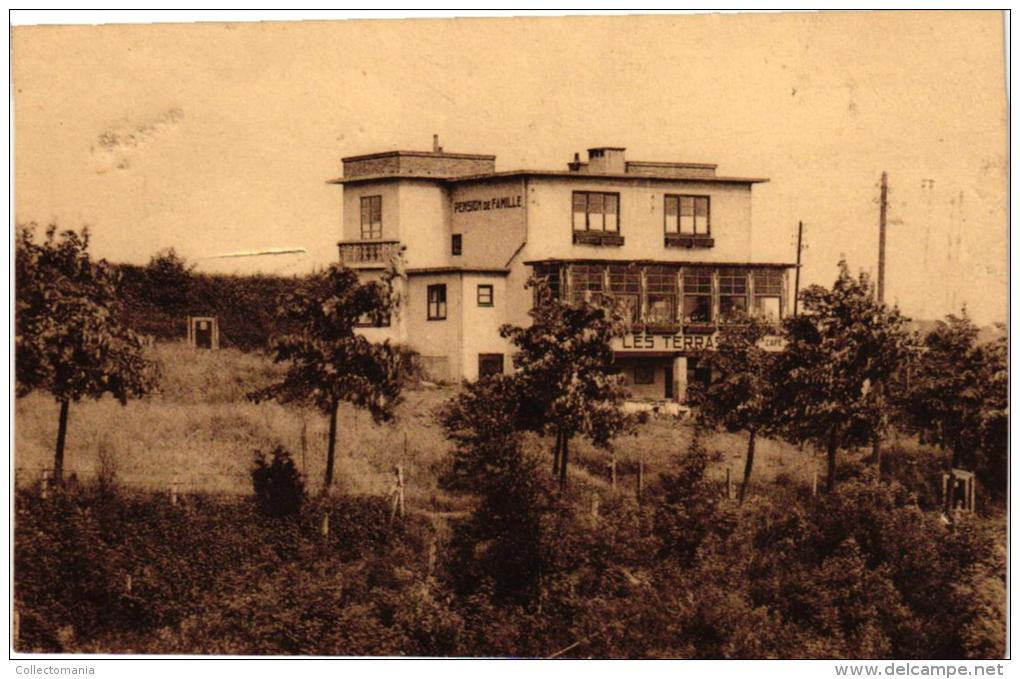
(69, 339)
(840, 347)
(169, 281)
(957, 397)
(743, 399)
(688, 510)
(329, 362)
(565, 379)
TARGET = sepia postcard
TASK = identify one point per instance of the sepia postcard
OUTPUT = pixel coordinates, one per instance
(663, 336)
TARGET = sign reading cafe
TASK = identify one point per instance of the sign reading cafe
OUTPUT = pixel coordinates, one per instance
(497, 203)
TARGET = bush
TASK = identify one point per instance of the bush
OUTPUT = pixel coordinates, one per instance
(279, 490)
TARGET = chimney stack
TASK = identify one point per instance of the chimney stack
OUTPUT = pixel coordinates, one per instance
(607, 160)
(436, 148)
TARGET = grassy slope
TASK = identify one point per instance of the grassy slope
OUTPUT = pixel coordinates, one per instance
(200, 427)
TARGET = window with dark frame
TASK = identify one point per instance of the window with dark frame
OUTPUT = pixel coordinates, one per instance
(732, 293)
(437, 302)
(768, 294)
(596, 211)
(456, 244)
(490, 364)
(660, 293)
(587, 283)
(371, 217)
(484, 295)
(625, 286)
(697, 305)
(687, 215)
(644, 374)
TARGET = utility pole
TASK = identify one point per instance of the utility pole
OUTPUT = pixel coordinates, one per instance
(882, 205)
(796, 275)
(876, 444)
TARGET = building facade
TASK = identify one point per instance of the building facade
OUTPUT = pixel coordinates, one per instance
(671, 240)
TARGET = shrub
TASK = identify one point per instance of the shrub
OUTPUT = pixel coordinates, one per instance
(279, 490)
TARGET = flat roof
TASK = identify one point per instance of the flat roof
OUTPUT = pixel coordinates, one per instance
(662, 262)
(423, 271)
(419, 154)
(558, 174)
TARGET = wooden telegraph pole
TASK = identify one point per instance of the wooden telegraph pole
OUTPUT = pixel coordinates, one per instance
(796, 275)
(876, 445)
(882, 207)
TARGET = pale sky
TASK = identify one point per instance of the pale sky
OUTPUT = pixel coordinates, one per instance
(218, 138)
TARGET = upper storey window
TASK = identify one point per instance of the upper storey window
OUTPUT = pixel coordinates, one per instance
(596, 218)
(688, 221)
(371, 217)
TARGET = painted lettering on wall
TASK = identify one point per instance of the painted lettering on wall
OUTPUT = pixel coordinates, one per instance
(643, 342)
(500, 203)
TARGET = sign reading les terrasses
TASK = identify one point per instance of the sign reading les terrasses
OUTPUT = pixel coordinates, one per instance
(497, 203)
(645, 342)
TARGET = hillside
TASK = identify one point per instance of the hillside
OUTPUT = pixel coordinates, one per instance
(200, 429)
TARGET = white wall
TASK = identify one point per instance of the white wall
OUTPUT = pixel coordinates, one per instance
(642, 222)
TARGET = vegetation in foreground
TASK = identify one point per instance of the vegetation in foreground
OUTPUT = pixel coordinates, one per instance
(862, 572)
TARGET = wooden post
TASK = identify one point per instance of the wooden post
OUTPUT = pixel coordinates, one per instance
(397, 493)
(814, 482)
(44, 484)
(612, 474)
(640, 478)
(729, 485)
(400, 484)
(304, 446)
(325, 525)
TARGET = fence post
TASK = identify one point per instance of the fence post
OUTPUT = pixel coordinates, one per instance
(400, 483)
(304, 446)
(44, 483)
(640, 478)
(397, 493)
(814, 482)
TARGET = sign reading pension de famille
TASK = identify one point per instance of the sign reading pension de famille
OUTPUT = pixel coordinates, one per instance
(494, 203)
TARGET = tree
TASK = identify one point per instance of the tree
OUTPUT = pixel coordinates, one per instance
(957, 397)
(69, 338)
(743, 398)
(329, 362)
(566, 381)
(169, 281)
(839, 348)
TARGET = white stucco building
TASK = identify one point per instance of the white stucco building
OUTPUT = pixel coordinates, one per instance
(672, 239)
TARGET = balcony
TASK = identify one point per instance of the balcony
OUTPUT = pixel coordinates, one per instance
(369, 254)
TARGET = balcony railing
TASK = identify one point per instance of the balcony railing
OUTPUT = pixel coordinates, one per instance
(368, 254)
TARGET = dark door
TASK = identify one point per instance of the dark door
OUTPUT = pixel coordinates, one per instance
(203, 334)
(668, 377)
